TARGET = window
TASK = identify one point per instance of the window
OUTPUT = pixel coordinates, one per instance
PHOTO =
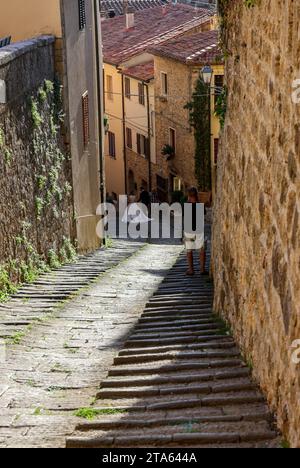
(219, 83)
(111, 144)
(85, 119)
(127, 88)
(216, 150)
(142, 145)
(141, 94)
(164, 84)
(82, 14)
(129, 137)
(172, 139)
(109, 87)
(176, 184)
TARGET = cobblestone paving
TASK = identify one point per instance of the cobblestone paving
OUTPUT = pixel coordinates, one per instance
(179, 381)
(60, 351)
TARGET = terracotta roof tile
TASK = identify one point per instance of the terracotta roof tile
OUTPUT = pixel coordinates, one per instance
(144, 71)
(151, 27)
(202, 47)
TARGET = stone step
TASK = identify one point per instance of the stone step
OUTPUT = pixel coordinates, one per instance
(173, 312)
(165, 440)
(194, 389)
(133, 423)
(177, 318)
(176, 379)
(162, 349)
(200, 337)
(175, 330)
(141, 358)
(177, 367)
(175, 324)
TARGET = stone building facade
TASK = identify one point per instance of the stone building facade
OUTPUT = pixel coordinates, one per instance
(135, 33)
(179, 61)
(256, 221)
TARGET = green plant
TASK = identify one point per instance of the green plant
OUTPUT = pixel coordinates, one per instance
(91, 413)
(221, 107)
(53, 259)
(37, 411)
(39, 205)
(168, 151)
(36, 116)
(199, 109)
(17, 338)
(285, 444)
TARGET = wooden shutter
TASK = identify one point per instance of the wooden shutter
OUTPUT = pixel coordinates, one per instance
(141, 94)
(138, 142)
(82, 14)
(127, 88)
(129, 137)
(112, 144)
(85, 119)
(216, 150)
(147, 148)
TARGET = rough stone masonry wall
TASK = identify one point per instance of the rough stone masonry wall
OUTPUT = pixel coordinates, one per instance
(36, 214)
(256, 228)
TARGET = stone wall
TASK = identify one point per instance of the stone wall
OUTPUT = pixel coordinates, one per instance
(256, 227)
(36, 214)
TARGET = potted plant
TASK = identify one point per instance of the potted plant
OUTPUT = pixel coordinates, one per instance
(168, 151)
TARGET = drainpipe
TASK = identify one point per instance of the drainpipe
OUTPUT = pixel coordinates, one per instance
(99, 78)
(124, 133)
(149, 136)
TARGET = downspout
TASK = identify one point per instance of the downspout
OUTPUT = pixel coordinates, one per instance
(99, 75)
(124, 134)
(149, 137)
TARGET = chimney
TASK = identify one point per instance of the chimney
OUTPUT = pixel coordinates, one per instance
(164, 9)
(129, 19)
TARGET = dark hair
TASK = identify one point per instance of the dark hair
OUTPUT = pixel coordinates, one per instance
(193, 192)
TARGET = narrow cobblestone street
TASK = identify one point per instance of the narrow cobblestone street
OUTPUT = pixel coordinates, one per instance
(61, 349)
(124, 336)
(179, 381)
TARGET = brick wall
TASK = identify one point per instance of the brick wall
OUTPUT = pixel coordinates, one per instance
(256, 228)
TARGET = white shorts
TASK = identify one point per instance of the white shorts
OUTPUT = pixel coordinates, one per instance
(194, 241)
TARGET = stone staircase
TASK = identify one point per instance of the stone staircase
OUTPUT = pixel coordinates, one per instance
(179, 381)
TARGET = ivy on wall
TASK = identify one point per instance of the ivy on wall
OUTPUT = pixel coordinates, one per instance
(221, 106)
(199, 109)
(51, 191)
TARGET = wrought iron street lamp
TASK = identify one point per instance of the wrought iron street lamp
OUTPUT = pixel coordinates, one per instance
(206, 74)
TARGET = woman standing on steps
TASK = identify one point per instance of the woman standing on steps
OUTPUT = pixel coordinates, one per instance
(192, 239)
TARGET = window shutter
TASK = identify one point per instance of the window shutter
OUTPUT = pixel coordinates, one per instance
(138, 142)
(216, 150)
(112, 144)
(141, 94)
(82, 14)
(127, 88)
(85, 119)
(129, 138)
(147, 148)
